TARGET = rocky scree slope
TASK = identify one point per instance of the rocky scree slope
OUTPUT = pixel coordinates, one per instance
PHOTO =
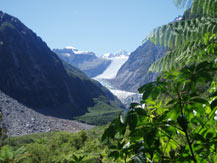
(33, 75)
(20, 120)
(86, 61)
(134, 72)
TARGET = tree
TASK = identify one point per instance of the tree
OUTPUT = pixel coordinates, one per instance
(175, 121)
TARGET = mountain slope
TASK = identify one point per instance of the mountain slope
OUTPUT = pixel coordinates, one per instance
(32, 74)
(86, 61)
(134, 72)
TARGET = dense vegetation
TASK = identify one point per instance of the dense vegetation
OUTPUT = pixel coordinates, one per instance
(55, 147)
(176, 120)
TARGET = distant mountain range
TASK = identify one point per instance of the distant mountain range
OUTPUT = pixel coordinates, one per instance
(33, 75)
(86, 61)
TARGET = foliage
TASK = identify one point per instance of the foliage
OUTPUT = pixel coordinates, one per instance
(198, 7)
(59, 147)
(76, 159)
(7, 154)
(183, 38)
(100, 114)
(183, 3)
(173, 122)
(181, 128)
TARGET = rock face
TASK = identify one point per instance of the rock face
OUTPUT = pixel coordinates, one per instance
(134, 72)
(33, 75)
(86, 61)
(20, 120)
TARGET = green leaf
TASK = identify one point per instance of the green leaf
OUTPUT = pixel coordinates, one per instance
(155, 92)
(110, 131)
(132, 120)
(114, 154)
(173, 101)
(141, 111)
(209, 135)
(199, 100)
(200, 138)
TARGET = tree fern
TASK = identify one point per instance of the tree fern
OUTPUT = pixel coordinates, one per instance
(184, 38)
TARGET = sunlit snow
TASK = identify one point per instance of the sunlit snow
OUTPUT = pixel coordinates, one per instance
(76, 51)
(113, 68)
(118, 60)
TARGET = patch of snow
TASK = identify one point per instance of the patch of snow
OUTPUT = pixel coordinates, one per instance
(84, 52)
(122, 53)
(71, 48)
(76, 51)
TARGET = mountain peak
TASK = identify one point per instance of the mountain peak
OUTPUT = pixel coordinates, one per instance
(71, 48)
(120, 54)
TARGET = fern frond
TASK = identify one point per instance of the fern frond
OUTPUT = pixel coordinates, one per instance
(198, 7)
(183, 3)
(184, 38)
(183, 55)
(182, 31)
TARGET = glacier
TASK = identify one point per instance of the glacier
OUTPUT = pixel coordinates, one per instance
(113, 68)
(117, 60)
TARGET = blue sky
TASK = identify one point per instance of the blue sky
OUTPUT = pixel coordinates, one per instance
(100, 26)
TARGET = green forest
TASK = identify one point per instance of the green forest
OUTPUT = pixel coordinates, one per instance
(176, 120)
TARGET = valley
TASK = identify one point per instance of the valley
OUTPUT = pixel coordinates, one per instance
(155, 101)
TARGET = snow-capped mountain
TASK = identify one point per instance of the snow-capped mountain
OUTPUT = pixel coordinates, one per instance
(121, 54)
(86, 61)
(69, 51)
